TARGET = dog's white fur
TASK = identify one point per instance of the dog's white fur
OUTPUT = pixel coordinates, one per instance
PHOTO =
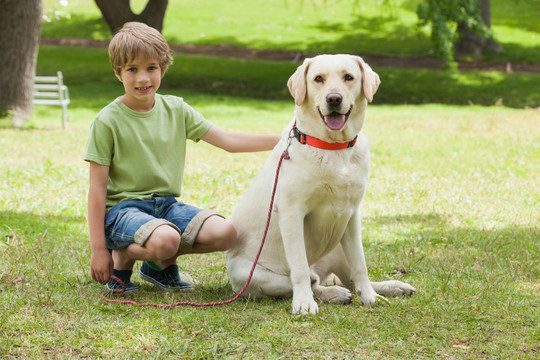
(315, 226)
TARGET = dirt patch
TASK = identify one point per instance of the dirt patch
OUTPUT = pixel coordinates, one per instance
(390, 61)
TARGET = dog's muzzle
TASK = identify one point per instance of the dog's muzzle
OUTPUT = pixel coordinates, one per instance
(335, 119)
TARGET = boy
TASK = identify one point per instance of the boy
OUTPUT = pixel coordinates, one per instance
(136, 151)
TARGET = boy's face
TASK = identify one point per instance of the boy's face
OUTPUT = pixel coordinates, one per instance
(141, 78)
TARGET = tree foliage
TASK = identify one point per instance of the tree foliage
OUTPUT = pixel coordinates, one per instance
(443, 16)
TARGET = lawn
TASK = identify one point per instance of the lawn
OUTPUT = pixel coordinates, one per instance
(316, 26)
(451, 207)
(94, 86)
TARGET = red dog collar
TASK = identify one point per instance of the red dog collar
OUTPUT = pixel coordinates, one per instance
(320, 144)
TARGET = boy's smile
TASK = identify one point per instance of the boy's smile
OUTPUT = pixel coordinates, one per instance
(141, 78)
(144, 89)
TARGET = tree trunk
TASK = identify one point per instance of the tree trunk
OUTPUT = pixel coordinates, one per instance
(472, 43)
(118, 12)
(20, 27)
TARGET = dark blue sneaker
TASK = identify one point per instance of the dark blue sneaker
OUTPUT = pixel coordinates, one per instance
(167, 279)
(116, 287)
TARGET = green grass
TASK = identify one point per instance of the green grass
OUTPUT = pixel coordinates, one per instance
(451, 207)
(89, 77)
(452, 202)
(344, 26)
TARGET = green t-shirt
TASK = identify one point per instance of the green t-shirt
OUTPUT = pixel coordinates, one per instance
(145, 151)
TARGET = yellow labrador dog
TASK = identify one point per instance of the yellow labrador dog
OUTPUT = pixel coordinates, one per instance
(315, 226)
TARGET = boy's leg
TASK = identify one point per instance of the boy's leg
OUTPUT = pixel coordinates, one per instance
(160, 247)
(216, 234)
(160, 241)
(203, 231)
(121, 260)
(135, 233)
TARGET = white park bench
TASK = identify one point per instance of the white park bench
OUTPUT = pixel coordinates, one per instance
(50, 90)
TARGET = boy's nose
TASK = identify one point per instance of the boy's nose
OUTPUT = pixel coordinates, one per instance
(143, 76)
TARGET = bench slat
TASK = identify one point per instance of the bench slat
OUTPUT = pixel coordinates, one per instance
(51, 102)
(46, 79)
(50, 90)
(54, 87)
(40, 94)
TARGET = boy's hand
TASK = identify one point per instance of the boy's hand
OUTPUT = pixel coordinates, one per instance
(101, 266)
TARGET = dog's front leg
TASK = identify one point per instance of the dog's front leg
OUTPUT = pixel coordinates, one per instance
(291, 227)
(352, 245)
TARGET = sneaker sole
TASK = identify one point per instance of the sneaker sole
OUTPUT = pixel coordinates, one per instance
(164, 287)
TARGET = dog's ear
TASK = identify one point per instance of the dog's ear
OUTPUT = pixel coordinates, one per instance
(370, 79)
(297, 83)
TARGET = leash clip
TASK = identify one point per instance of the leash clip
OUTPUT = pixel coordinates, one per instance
(286, 155)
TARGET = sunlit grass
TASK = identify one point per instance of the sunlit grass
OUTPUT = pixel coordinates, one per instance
(451, 207)
(365, 27)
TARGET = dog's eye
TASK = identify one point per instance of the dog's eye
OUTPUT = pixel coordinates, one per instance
(348, 77)
(319, 79)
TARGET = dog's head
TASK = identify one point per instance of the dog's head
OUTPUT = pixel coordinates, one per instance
(334, 89)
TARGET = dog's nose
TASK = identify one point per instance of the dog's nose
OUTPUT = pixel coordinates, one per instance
(334, 99)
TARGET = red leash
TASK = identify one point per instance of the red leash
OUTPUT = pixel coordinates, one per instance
(285, 155)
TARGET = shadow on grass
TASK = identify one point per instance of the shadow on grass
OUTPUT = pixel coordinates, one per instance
(362, 36)
(383, 34)
(267, 80)
(427, 86)
(96, 85)
(423, 231)
(426, 244)
(371, 35)
(434, 256)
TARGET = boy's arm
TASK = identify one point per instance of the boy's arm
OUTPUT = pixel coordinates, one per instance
(238, 142)
(101, 263)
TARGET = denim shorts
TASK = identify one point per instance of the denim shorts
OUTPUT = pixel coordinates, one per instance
(133, 221)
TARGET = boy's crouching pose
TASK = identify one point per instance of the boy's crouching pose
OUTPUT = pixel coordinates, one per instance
(136, 150)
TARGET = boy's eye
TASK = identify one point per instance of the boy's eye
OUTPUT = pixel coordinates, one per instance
(153, 68)
(131, 69)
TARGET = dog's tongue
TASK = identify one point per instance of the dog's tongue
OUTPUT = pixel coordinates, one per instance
(335, 121)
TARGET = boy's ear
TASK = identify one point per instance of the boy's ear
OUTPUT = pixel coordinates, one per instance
(118, 75)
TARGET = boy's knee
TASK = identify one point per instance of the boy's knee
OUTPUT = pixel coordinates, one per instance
(228, 237)
(218, 234)
(163, 242)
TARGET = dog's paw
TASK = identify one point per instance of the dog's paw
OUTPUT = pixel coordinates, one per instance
(332, 280)
(367, 296)
(393, 288)
(333, 294)
(305, 307)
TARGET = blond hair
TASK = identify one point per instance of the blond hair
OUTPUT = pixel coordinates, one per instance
(135, 39)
